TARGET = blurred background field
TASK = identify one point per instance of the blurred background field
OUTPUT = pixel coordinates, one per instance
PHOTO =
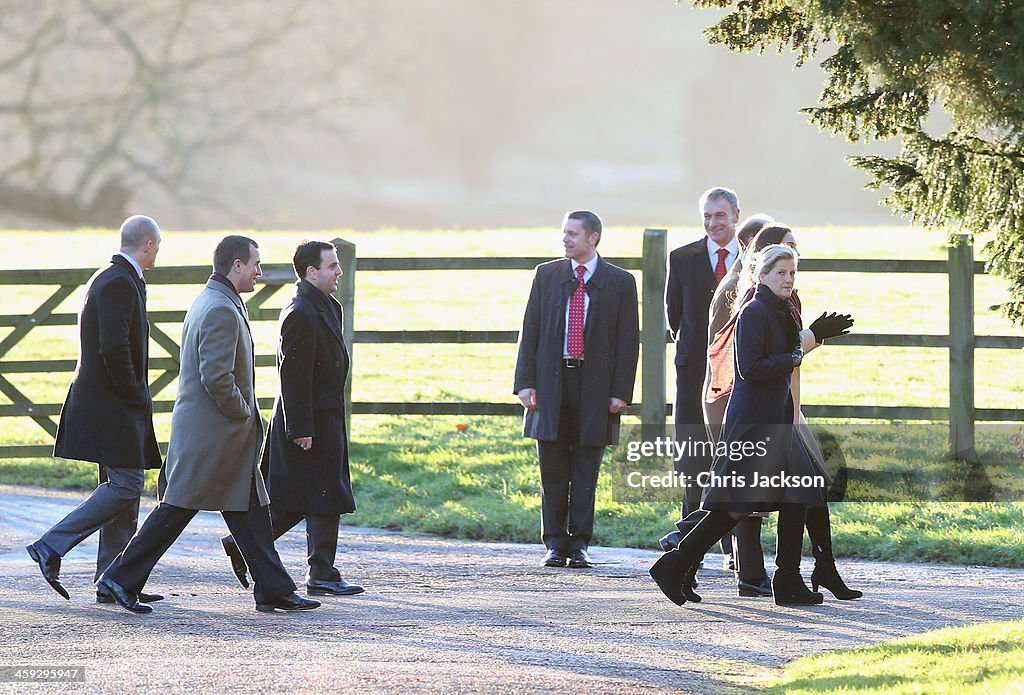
(480, 481)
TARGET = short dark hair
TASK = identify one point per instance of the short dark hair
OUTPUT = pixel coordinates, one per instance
(231, 248)
(591, 222)
(309, 253)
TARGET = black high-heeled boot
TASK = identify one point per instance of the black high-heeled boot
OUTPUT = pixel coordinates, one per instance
(819, 530)
(675, 568)
(788, 586)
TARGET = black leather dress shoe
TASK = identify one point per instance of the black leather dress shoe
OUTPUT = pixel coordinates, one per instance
(238, 565)
(289, 602)
(554, 558)
(49, 564)
(103, 597)
(750, 589)
(338, 588)
(670, 540)
(121, 596)
(580, 559)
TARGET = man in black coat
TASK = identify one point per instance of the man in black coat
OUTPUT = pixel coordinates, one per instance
(107, 417)
(305, 459)
(578, 353)
(694, 271)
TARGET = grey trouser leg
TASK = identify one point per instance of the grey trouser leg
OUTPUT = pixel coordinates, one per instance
(112, 509)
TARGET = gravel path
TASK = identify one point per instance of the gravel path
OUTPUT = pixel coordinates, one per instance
(446, 616)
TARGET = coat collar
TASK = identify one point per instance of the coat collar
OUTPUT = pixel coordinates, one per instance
(218, 286)
(326, 305)
(596, 280)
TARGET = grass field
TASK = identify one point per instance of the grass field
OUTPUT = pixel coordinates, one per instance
(985, 658)
(423, 474)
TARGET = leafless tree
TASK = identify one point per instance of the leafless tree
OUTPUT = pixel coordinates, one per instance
(102, 99)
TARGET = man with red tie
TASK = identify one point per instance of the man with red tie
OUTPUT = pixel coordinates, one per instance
(578, 352)
(694, 271)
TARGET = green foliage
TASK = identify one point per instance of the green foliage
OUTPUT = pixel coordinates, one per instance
(896, 61)
(986, 658)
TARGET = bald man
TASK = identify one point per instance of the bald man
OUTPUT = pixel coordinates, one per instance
(107, 417)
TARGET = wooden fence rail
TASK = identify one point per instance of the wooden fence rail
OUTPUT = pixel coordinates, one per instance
(653, 408)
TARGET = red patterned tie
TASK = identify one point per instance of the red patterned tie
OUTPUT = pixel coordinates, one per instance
(575, 342)
(720, 268)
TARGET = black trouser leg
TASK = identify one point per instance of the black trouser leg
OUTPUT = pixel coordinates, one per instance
(254, 537)
(321, 540)
(747, 551)
(131, 569)
(554, 485)
(322, 546)
(688, 422)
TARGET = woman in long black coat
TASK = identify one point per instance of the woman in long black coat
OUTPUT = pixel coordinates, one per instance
(758, 467)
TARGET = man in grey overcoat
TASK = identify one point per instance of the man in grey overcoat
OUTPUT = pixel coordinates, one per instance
(578, 352)
(216, 435)
(305, 458)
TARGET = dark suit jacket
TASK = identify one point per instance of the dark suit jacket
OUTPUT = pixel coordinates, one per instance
(688, 293)
(313, 363)
(107, 417)
(611, 348)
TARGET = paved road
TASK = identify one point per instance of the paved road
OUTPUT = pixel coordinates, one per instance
(448, 616)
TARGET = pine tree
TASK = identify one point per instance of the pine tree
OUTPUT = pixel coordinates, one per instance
(891, 63)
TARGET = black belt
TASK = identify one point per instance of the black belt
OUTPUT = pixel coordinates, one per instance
(570, 363)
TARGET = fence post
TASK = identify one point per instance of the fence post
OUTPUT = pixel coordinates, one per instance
(346, 294)
(961, 348)
(652, 335)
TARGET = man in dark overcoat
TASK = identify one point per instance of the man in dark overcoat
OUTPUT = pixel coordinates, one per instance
(216, 437)
(108, 415)
(305, 459)
(577, 361)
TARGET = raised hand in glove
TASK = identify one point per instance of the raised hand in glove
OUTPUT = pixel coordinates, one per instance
(830, 325)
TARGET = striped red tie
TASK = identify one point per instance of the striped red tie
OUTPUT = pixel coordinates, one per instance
(575, 336)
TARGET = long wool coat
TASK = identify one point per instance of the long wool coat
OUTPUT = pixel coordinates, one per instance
(761, 411)
(313, 363)
(107, 417)
(612, 346)
(216, 430)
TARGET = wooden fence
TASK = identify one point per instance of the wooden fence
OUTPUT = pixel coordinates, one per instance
(653, 408)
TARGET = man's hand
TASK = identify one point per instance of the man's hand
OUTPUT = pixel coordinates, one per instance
(304, 443)
(616, 405)
(529, 398)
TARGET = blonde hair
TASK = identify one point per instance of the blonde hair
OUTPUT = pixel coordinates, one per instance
(760, 264)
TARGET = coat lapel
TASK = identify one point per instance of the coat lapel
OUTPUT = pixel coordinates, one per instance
(240, 306)
(701, 265)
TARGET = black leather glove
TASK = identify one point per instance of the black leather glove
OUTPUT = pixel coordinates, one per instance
(830, 325)
(797, 355)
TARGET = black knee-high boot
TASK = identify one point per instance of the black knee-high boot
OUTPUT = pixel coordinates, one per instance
(819, 530)
(788, 586)
(672, 569)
